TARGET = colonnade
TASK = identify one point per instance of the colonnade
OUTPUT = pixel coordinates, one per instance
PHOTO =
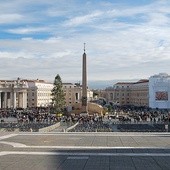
(13, 99)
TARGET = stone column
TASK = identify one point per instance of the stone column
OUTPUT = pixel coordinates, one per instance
(5, 99)
(24, 100)
(11, 99)
(8, 100)
(20, 99)
(14, 99)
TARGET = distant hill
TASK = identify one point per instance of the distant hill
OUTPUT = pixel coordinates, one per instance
(102, 84)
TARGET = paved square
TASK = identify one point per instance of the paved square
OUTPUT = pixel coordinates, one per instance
(87, 151)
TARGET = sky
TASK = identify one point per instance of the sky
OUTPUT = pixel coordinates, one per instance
(125, 39)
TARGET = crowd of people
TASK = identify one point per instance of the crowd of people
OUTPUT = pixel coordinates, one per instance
(36, 115)
(36, 118)
(126, 119)
(139, 115)
(92, 124)
(30, 119)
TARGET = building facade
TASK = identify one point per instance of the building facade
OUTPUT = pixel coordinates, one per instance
(128, 93)
(36, 93)
(73, 93)
(13, 94)
(122, 93)
(139, 93)
(159, 91)
(39, 93)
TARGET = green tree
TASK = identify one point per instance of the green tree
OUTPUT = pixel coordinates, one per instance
(58, 96)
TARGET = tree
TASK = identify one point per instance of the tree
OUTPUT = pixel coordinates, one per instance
(58, 96)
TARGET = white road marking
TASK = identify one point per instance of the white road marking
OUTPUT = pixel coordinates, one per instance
(15, 145)
(92, 147)
(7, 136)
(94, 134)
(2, 154)
(20, 145)
(75, 154)
(78, 157)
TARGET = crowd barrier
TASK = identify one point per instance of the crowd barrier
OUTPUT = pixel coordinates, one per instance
(49, 128)
(72, 127)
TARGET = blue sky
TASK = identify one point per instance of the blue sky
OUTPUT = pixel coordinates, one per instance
(126, 39)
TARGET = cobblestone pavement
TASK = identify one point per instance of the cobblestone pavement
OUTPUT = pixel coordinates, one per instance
(88, 151)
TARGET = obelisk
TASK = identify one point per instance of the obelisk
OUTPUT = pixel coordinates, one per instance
(84, 85)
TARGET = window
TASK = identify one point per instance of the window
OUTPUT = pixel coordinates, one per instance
(76, 96)
(111, 96)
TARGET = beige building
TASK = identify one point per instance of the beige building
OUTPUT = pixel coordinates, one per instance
(122, 93)
(39, 93)
(73, 93)
(139, 93)
(13, 93)
(128, 93)
(36, 93)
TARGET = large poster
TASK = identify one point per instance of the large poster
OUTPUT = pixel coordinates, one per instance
(161, 95)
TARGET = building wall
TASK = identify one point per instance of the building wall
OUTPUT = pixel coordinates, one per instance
(13, 93)
(39, 93)
(159, 91)
(93, 108)
(122, 93)
(73, 93)
(89, 95)
(128, 93)
(36, 93)
(139, 94)
(109, 94)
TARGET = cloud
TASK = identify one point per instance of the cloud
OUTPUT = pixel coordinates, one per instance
(79, 20)
(10, 18)
(27, 30)
(123, 41)
(158, 19)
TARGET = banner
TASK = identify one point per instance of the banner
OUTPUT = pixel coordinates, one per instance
(161, 95)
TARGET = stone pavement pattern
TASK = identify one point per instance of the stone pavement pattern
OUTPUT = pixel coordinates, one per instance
(88, 151)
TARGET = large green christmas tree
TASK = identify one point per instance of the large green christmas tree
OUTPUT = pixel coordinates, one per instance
(58, 96)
